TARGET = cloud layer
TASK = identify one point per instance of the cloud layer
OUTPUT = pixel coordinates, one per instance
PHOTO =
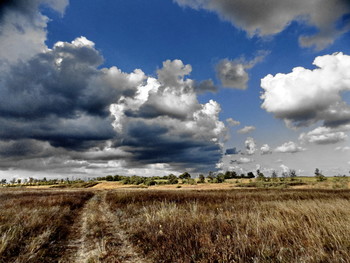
(271, 17)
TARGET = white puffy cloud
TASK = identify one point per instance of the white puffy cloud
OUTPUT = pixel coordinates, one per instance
(284, 168)
(232, 122)
(242, 160)
(265, 149)
(250, 146)
(246, 129)
(325, 135)
(273, 16)
(289, 147)
(305, 96)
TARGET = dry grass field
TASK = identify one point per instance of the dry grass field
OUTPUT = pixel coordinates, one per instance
(34, 224)
(175, 225)
(237, 225)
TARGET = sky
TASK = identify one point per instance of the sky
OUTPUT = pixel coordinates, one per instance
(91, 88)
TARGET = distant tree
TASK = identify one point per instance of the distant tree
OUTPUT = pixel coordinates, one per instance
(229, 175)
(211, 177)
(274, 175)
(117, 178)
(150, 182)
(109, 178)
(172, 179)
(260, 176)
(201, 179)
(185, 175)
(3, 181)
(319, 176)
(250, 175)
(220, 178)
(317, 172)
(126, 180)
(292, 174)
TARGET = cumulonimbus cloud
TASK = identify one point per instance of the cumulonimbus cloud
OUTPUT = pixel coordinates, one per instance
(60, 106)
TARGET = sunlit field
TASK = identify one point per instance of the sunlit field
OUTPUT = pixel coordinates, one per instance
(139, 225)
(237, 226)
(35, 224)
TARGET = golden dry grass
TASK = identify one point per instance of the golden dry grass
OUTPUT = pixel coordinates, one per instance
(178, 225)
(33, 223)
(237, 226)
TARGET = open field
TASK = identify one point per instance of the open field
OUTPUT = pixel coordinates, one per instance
(178, 225)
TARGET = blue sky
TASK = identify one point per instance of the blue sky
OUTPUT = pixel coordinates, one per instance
(73, 104)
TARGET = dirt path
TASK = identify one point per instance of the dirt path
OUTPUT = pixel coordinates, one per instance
(97, 236)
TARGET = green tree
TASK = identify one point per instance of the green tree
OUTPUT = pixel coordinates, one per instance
(250, 175)
(172, 179)
(319, 176)
(292, 174)
(260, 176)
(185, 175)
(220, 178)
(201, 179)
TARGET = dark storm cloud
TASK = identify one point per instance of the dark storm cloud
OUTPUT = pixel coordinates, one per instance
(271, 17)
(59, 110)
(19, 148)
(165, 123)
(26, 7)
(54, 83)
(23, 28)
(61, 97)
(231, 151)
(154, 144)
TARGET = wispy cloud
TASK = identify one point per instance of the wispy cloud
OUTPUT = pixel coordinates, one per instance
(246, 129)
